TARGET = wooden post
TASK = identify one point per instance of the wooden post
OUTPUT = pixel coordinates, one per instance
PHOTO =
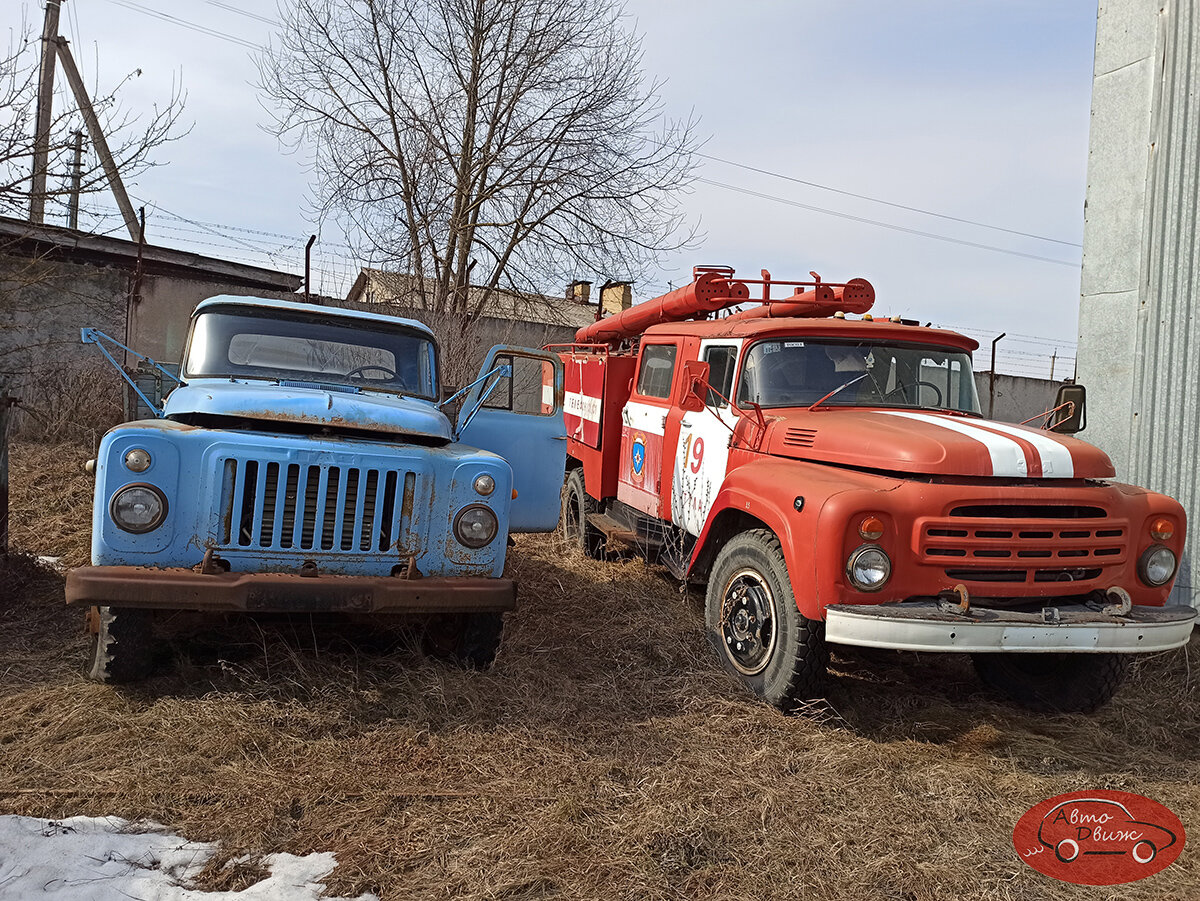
(96, 133)
(45, 115)
(76, 181)
(6, 405)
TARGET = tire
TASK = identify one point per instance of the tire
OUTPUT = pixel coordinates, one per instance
(123, 646)
(1067, 850)
(576, 505)
(1054, 683)
(1143, 857)
(755, 627)
(468, 640)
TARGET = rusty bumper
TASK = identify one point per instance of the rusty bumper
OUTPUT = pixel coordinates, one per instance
(186, 589)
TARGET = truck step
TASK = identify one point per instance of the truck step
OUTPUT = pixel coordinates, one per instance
(615, 530)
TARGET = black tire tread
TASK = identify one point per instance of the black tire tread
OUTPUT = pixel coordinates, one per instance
(590, 541)
(1084, 683)
(122, 648)
(809, 659)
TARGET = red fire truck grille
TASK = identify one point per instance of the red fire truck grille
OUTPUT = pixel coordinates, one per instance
(1023, 544)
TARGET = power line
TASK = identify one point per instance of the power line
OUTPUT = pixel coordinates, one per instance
(898, 206)
(241, 12)
(888, 225)
(202, 29)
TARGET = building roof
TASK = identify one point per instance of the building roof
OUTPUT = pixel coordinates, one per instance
(57, 243)
(381, 286)
(297, 307)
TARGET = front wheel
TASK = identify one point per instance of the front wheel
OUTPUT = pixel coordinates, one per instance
(469, 640)
(755, 627)
(1054, 683)
(122, 645)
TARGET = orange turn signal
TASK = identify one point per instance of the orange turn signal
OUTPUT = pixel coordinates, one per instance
(1162, 529)
(514, 494)
(871, 528)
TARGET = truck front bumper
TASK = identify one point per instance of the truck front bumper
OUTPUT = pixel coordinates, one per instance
(1074, 628)
(186, 589)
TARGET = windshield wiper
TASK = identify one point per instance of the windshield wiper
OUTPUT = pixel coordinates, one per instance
(837, 389)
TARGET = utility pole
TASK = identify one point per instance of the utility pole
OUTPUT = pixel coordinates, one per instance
(97, 135)
(1053, 360)
(45, 105)
(76, 180)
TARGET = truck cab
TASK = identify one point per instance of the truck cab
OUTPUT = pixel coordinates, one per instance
(306, 462)
(833, 481)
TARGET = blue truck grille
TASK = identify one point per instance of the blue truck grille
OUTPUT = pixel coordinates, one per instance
(295, 506)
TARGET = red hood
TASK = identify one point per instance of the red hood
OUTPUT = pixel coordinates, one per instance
(918, 441)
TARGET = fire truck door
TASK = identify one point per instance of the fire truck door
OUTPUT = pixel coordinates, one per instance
(643, 422)
(522, 420)
(702, 452)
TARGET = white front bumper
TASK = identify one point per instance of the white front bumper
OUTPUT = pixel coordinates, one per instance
(923, 626)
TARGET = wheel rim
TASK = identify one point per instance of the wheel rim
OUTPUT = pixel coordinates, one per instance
(748, 629)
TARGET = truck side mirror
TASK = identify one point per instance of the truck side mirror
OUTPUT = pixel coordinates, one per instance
(695, 385)
(1072, 417)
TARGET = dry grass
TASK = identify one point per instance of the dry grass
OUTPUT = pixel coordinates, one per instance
(604, 756)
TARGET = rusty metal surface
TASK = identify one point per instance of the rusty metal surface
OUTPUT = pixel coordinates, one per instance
(186, 589)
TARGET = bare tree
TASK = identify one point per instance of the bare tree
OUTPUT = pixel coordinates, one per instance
(132, 138)
(504, 144)
(40, 357)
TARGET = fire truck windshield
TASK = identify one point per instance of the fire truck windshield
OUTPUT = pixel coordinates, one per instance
(798, 372)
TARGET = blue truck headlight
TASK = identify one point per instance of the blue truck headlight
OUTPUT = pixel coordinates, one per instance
(138, 508)
(484, 484)
(869, 568)
(475, 526)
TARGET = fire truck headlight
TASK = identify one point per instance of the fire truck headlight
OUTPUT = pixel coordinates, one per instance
(1157, 565)
(475, 526)
(869, 568)
(138, 508)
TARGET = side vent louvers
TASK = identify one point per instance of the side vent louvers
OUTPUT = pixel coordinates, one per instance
(794, 437)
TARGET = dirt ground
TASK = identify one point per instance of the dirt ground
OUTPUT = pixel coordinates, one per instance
(605, 756)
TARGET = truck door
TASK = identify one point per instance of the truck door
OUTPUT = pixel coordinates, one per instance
(702, 453)
(522, 420)
(643, 422)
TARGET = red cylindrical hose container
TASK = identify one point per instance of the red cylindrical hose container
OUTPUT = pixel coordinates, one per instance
(710, 291)
(857, 296)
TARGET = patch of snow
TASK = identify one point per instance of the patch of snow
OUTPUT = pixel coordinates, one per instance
(54, 563)
(111, 859)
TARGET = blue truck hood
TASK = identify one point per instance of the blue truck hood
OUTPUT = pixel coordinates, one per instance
(268, 402)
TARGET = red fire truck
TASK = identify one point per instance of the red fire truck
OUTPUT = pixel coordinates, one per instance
(832, 480)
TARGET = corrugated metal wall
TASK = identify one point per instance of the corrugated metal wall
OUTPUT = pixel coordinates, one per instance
(1165, 426)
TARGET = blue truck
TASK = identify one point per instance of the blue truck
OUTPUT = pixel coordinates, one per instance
(307, 462)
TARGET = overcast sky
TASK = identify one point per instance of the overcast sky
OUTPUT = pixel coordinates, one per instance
(974, 110)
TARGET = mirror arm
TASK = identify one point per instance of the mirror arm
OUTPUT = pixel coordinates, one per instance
(1069, 406)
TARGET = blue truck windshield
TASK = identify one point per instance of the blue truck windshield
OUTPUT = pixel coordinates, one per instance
(277, 344)
(796, 372)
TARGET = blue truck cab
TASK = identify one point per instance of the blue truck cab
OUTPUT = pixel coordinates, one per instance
(306, 462)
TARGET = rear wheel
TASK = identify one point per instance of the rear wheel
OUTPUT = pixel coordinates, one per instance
(122, 645)
(577, 504)
(755, 627)
(1054, 683)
